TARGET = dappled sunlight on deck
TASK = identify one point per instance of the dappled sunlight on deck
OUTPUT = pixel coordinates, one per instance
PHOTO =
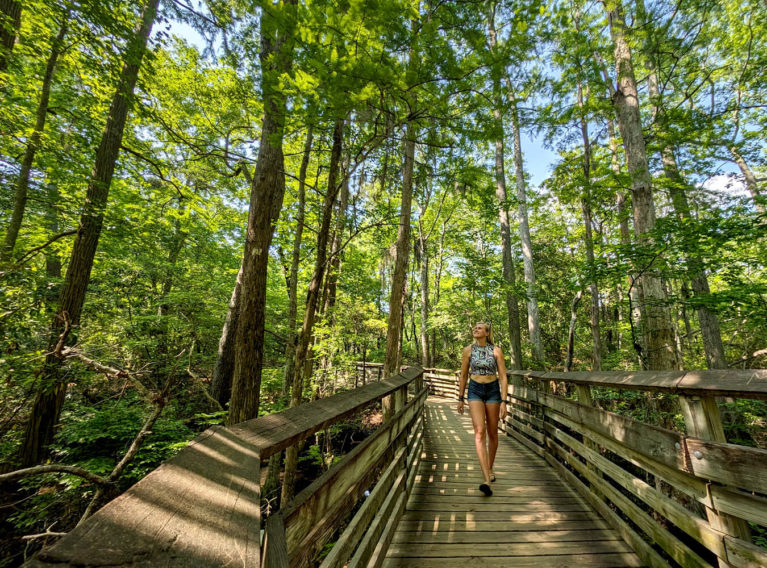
(532, 519)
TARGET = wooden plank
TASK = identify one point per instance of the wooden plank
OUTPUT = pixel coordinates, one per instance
(744, 554)
(467, 518)
(438, 525)
(275, 432)
(694, 526)
(275, 548)
(559, 561)
(381, 549)
(730, 464)
(527, 442)
(316, 503)
(200, 508)
(739, 504)
(681, 480)
(652, 441)
(646, 553)
(472, 537)
(374, 531)
(674, 547)
(747, 383)
(346, 543)
(495, 505)
(521, 426)
(505, 549)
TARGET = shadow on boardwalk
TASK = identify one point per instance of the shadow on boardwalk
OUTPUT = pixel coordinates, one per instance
(532, 519)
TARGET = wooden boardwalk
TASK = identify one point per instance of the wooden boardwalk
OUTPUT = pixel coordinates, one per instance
(532, 519)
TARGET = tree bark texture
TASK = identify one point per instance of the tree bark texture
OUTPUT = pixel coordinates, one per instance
(423, 254)
(47, 405)
(509, 274)
(290, 348)
(33, 144)
(399, 277)
(267, 192)
(10, 23)
(533, 319)
(656, 325)
(709, 323)
(312, 300)
(749, 177)
(596, 344)
(221, 383)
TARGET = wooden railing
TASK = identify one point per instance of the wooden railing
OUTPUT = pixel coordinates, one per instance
(677, 499)
(202, 508)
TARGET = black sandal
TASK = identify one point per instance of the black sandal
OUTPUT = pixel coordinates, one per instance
(485, 488)
(492, 478)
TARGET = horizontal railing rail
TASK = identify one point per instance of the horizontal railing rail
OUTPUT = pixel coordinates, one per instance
(202, 507)
(680, 499)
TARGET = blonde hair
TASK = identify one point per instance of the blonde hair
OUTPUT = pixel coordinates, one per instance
(489, 330)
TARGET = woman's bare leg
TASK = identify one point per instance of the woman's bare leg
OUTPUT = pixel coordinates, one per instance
(477, 410)
(491, 417)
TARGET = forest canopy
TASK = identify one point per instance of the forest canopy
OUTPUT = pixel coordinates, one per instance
(212, 209)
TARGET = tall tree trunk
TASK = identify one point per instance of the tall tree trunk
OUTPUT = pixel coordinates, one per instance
(10, 23)
(290, 348)
(33, 144)
(394, 329)
(596, 343)
(424, 275)
(312, 301)
(266, 196)
(509, 274)
(47, 405)
(334, 271)
(221, 383)
(571, 331)
(533, 319)
(656, 327)
(709, 323)
(749, 177)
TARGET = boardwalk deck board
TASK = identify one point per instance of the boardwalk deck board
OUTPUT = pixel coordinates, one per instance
(532, 519)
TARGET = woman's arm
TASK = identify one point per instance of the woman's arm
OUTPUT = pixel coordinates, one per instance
(503, 378)
(464, 378)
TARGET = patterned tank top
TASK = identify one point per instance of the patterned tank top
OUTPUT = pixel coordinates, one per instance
(482, 361)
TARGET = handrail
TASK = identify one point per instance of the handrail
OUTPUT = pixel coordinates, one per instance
(749, 383)
(608, 458)
(202, 507)
(712, 488)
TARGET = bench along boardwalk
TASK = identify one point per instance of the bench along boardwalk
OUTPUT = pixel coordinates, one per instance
(532, 519)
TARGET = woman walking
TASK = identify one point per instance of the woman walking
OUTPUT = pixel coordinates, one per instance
(483, 362)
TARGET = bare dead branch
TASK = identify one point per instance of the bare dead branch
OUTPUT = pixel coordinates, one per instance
(54, 468)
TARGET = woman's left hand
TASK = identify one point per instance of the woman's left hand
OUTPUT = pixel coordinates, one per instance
(503, 412)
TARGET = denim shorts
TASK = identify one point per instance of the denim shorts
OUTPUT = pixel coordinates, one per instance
(489, 393)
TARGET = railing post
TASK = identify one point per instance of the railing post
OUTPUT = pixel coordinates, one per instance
(702, 419)
(584, 397)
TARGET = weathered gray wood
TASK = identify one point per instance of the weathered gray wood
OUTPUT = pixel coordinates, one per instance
(321, 503)
(201, 508)
(373, 535)
(276, 432)
(739, 504)
(748, 383)
(652, 441)
(681, 480)
(675, 548)
(744, 554)
(729, 464)
(275, 548)
(694, 526)
(646, 553)
(701, 416)
(355, 531)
